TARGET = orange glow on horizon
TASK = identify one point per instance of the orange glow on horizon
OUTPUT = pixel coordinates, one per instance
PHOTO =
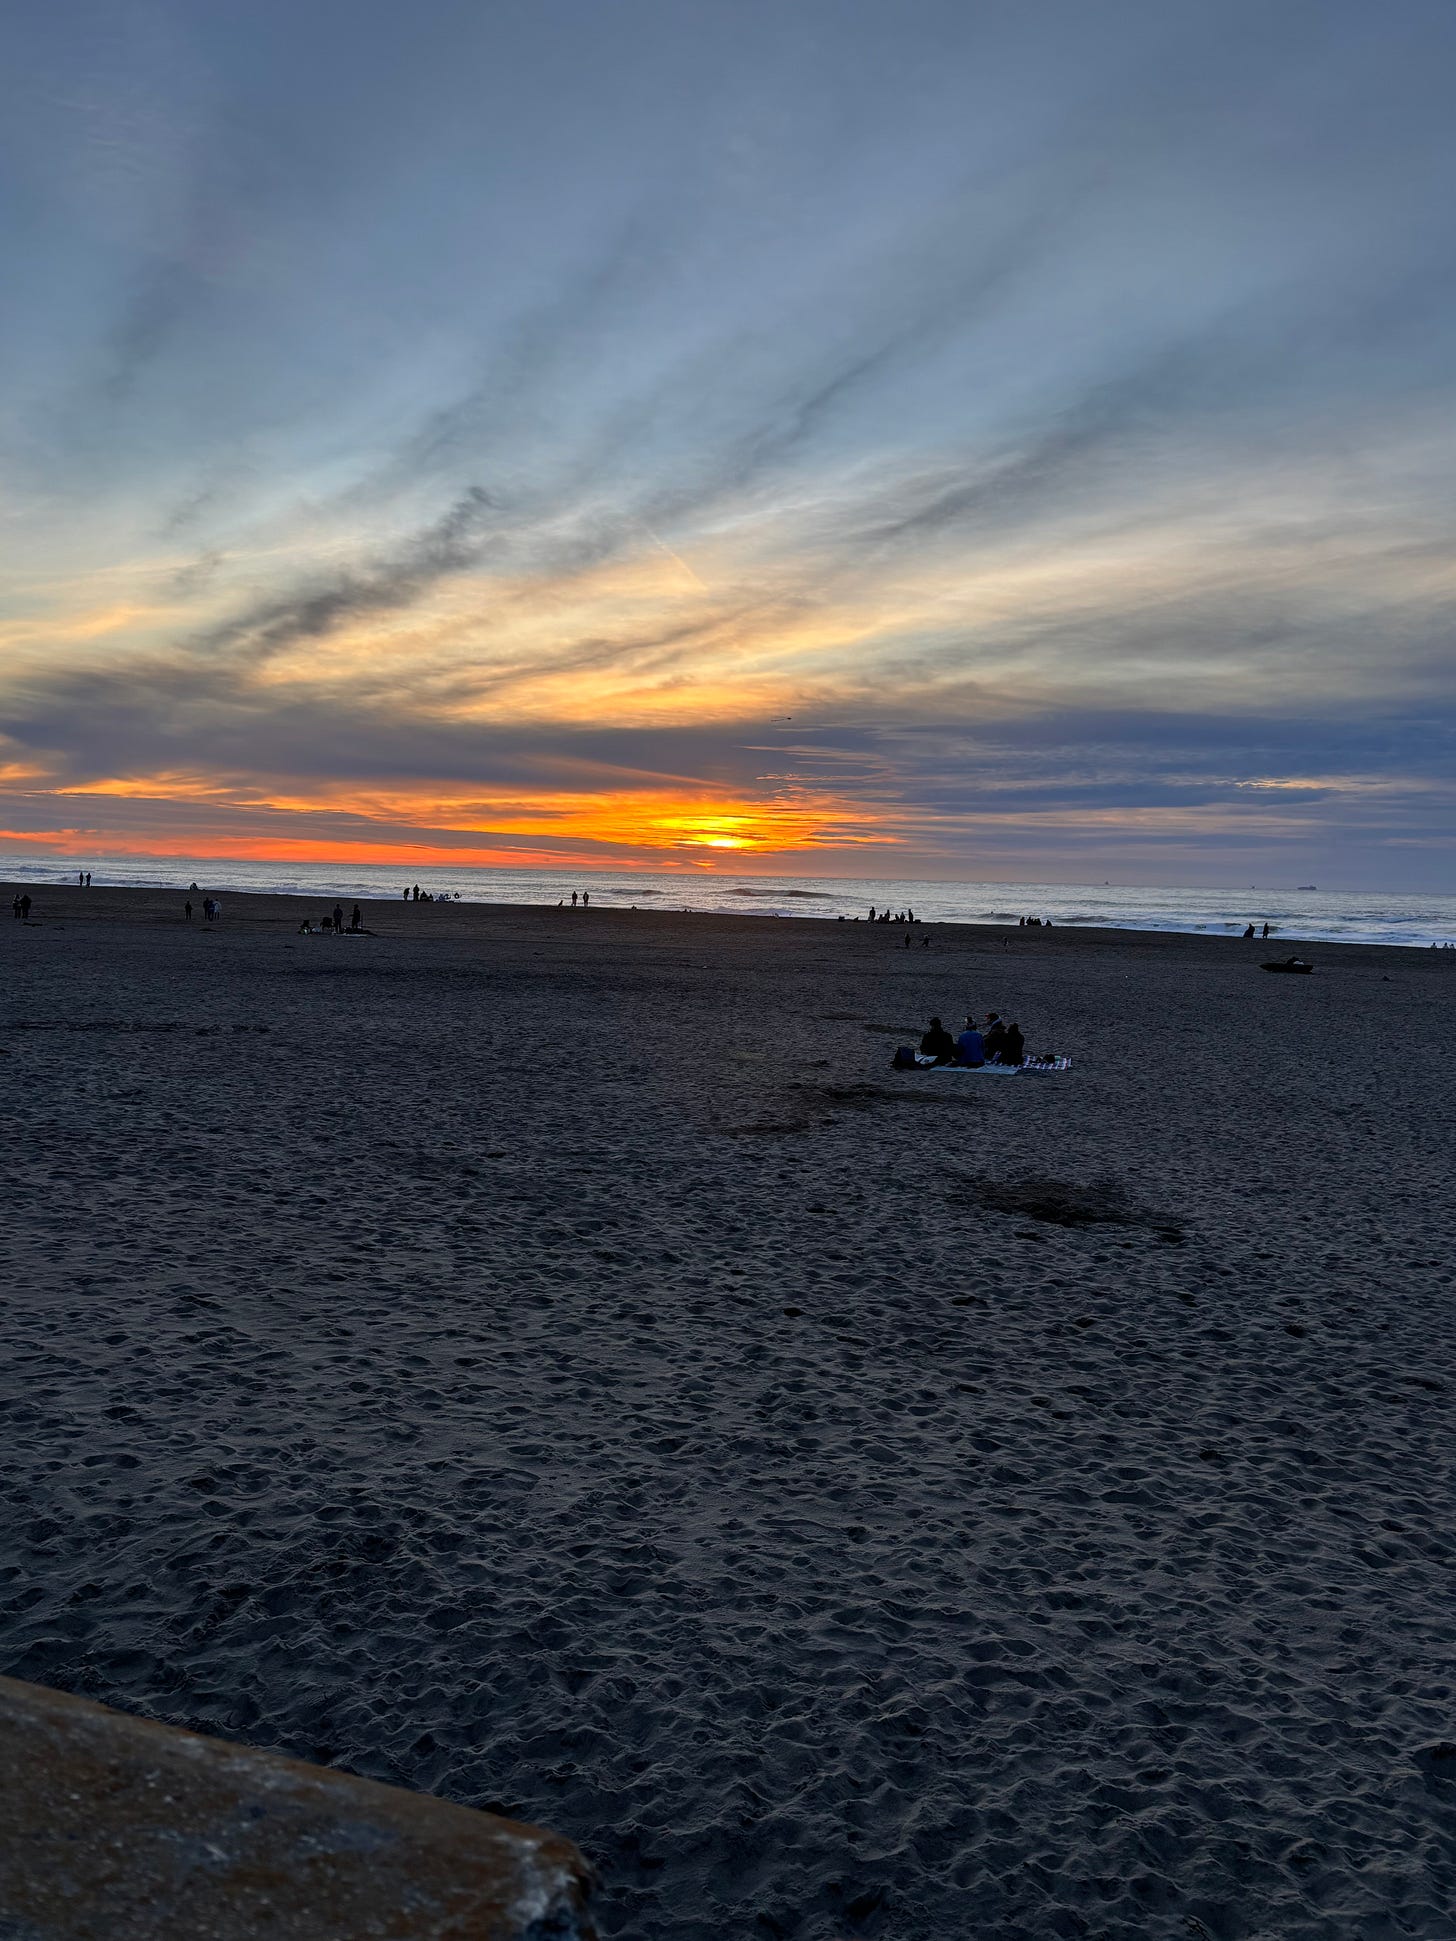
(656, 823)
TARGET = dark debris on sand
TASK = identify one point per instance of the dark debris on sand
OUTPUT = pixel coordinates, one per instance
(1063, 1203)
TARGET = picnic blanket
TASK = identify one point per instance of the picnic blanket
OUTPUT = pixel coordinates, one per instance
(998, 1071)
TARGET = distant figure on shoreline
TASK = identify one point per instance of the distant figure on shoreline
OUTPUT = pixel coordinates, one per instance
(15, 906)
(1248, 933)
(1265, 932)
(187, 911)
(339, 918)
(586, 899)
(573, 899)
(356, 921)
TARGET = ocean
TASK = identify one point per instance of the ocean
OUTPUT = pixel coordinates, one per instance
(1307, 914)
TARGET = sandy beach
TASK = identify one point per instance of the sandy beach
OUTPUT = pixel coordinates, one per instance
(548, 1358)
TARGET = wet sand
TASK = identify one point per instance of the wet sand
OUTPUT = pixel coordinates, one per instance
(549, 1358)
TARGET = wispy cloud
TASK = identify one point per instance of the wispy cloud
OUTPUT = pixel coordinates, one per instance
(944, 450)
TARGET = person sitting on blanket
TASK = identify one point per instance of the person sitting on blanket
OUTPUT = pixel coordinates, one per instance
(1013, 1045)
(994, 1034)
(970, 1046)
(938, 1044)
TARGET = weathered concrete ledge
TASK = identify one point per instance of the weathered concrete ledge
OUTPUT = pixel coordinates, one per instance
(116, 1829)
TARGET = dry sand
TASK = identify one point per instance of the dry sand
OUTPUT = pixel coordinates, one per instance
(549, 1358)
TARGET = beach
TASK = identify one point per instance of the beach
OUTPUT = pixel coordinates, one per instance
(547, 1357)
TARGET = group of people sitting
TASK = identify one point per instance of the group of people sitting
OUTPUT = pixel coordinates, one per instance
(329, 925)
(999, 1043)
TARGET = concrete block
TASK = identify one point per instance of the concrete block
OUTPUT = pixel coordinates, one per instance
(116, 1829)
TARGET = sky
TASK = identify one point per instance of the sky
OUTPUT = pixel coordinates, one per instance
(941, 440)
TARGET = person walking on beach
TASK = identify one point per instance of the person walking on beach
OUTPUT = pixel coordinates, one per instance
(15, 906)
(573, 899)
(339, 918)
(585, 899)
(187, 911)
(356, 922)
(25, 908)
(1266, 932)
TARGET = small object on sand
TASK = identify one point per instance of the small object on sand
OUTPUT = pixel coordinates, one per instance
(1295, 965)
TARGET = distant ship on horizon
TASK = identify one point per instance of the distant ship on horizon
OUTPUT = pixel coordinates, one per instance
(1307, 886)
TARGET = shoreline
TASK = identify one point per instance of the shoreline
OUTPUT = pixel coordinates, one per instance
(161, 905)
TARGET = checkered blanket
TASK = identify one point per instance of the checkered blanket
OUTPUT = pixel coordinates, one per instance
(1001, 1071)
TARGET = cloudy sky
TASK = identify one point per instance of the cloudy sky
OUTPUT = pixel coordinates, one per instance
(939, 438)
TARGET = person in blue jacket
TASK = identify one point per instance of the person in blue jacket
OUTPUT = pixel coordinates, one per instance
(970, 1046)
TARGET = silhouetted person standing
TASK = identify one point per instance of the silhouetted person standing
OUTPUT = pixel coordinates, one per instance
(339, 917)
(585, 899)
(25, 909)
(573, 899)
(187, 910)
(356, 922)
